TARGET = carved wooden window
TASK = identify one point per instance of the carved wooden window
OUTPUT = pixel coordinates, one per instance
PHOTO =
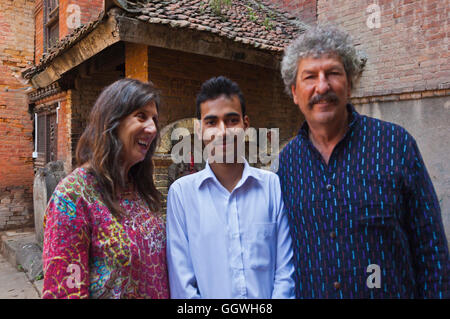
(47, 138)
(51, 23)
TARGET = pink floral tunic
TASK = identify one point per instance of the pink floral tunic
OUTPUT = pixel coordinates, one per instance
(88, 253)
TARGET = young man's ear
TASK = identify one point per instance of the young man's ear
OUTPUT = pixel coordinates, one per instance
(246, 122)
(198, 128)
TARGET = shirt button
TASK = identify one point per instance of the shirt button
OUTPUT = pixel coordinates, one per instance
(333, 235)
(329, 187)
(337, 285)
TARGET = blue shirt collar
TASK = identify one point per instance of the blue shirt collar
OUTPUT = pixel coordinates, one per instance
(207, 174)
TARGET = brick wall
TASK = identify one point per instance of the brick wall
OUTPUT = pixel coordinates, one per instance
(16, 140)
(89, 10)
(305, 10)
(39, 31)
(409, 51)
(81, 101)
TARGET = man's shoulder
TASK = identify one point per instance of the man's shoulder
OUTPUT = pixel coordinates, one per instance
(295, 142)
(186, 180)
(263, 174)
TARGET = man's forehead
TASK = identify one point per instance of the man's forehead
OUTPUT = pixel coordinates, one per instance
(327, 60)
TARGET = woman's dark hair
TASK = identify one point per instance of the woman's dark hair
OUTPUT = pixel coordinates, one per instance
(100, 147)
(214, 88)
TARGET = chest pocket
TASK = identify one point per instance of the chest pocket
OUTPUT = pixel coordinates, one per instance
(378, 192)
(373, 220)
(262, 245)
(380, 202)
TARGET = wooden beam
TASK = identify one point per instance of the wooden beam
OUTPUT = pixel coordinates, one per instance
(193, 41)
(103, 36)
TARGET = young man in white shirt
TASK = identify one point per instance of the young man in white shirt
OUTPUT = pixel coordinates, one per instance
(227, 232)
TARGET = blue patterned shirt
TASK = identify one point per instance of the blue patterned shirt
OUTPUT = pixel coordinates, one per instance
(368, 224)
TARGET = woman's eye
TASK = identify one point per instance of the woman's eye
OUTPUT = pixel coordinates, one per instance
(141, 116)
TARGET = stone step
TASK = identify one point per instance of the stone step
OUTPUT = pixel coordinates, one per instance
(15, 284)
(21, 250)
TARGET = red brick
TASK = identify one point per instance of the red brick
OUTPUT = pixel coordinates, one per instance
(416, 36)
(305, 10)
(16, 146)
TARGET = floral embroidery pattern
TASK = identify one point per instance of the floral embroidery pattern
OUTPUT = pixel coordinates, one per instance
(115, 259)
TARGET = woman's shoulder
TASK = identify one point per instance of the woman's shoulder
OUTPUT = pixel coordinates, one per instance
(72, 193)
(79, 183)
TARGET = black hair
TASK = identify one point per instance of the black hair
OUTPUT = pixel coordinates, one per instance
(214, 88)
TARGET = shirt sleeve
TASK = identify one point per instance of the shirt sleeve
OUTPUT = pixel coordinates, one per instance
(424, 227)
(284, 285)
(66, 246)
(183, 284)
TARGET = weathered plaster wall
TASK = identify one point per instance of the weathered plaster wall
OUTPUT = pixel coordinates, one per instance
(427, 120)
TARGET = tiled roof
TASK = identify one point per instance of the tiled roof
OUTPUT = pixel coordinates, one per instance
(258, 23)
(255, 23)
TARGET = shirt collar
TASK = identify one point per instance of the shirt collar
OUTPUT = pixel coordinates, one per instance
(208, 174)
(354, 116)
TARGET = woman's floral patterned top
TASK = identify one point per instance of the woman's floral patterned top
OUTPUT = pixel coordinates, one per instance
(89, 253)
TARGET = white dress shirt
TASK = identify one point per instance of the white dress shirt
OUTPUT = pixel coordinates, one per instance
(228, 245)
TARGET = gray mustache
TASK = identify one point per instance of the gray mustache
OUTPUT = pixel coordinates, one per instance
(329, 97)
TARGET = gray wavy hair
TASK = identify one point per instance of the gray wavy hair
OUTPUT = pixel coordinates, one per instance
(316, 42)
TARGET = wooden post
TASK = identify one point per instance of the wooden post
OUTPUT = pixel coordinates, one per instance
(136, 61)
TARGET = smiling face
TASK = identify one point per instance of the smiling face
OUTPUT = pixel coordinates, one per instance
(136, 132)
(221, 116)
(322, 90)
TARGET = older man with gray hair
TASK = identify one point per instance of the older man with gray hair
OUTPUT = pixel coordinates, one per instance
(364, 217)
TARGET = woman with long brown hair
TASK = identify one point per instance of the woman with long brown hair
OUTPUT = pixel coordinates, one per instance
(104, 237)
